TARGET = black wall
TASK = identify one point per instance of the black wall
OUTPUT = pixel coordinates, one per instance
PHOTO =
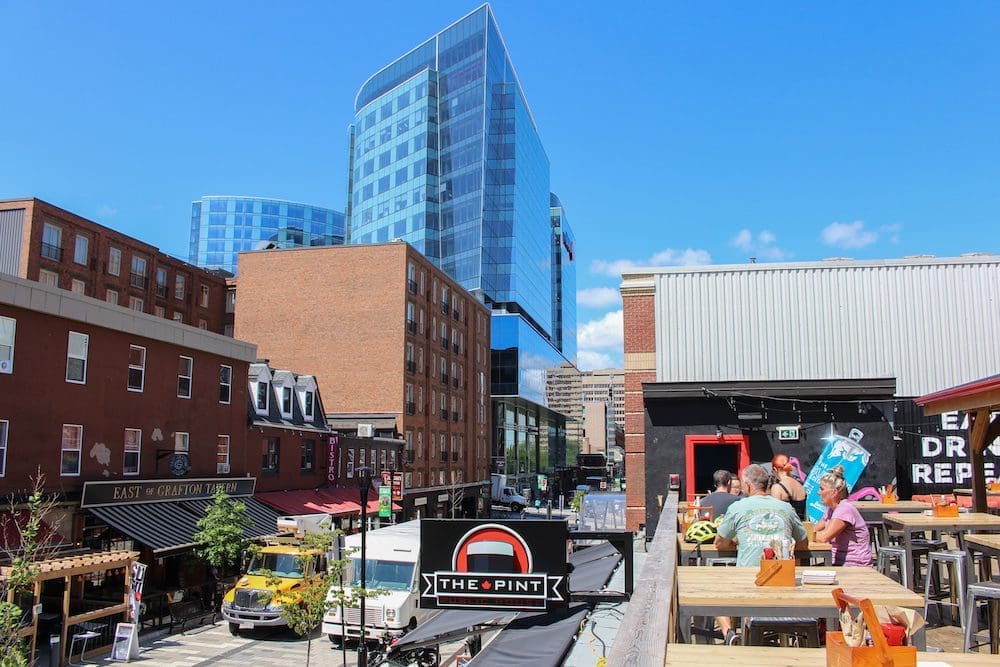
(668, 421)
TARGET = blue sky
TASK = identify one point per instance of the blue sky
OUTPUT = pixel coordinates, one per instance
(677, 133)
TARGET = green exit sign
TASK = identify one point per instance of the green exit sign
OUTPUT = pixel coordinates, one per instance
(788, 433)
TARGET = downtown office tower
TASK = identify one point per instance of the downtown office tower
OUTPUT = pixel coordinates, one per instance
(445, 154)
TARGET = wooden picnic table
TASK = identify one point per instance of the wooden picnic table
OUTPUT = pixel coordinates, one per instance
(730, 591)
(872, 510)
(693, 554)
(968, 492)
(691, 655)
(984, 543)
(965, 522)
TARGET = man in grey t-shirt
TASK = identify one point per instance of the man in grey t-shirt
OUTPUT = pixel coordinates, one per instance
(720, 499)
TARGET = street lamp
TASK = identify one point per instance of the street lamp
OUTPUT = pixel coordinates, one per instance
(364, 477)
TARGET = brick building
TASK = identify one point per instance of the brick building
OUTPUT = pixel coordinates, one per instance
(399, 345)
(47, 244)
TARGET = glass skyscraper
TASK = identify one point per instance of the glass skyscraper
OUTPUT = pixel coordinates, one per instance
(445, 154)
(223, 226)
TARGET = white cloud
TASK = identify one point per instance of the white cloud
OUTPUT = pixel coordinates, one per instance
(106, 211)
(686, 257)
(891, 232)
(588, 360)
(598, 297)
(602, 334)
(848, 235)
(760, 246)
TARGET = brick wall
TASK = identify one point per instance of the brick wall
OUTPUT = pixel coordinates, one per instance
(640, 346)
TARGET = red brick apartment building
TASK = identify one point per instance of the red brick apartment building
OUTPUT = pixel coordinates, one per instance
(398, 344)
(47, 244)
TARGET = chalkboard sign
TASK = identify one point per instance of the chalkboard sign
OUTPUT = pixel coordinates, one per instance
(126, 644)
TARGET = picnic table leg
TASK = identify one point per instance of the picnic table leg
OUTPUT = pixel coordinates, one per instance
(684, 620)
(909, 564)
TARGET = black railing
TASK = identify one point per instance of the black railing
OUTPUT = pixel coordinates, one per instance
(411, 366)
(444, 378)
(444, 308)
(454, 348)
(411, 408)
(444, 456)
(456, 315)
(411, 286)
(138, 280)
(411, 326)
(454, 382)
(454, 416)
(444, 414)
(52, 251)
(444, 343)
(162, 291)
(454, 456)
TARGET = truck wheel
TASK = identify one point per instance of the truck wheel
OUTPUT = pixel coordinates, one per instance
(234, 629)
(412, 625)
(335, 640)
(515, 507)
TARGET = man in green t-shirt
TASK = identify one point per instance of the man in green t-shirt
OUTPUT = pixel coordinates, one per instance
(753, 522)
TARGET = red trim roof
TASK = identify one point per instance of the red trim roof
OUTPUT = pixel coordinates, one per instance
(10, 533)
(966, 390)
(336, 502)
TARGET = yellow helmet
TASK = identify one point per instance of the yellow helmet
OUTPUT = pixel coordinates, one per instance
(700, 532)
(718, 520)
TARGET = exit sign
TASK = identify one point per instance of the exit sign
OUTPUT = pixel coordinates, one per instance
(788, 433)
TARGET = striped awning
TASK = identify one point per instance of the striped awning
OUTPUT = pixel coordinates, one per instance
(171, 525)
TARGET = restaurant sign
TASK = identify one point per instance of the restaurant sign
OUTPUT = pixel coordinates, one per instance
(493, 564)
(134, 492)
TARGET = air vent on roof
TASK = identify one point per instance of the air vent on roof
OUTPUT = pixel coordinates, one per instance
(366, 430)
(838, 259)
(918, 256)
(978, 254)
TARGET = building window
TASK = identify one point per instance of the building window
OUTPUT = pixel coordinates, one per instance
(138, 276)
(78, 286)
(136, 367)
(114, 261)
(111, 296)
(308, 457)
(178, 317)
(133, 443)
(76, 358)
(179, 288)
(203, 324)
(161, 283)
(81, 250)
(72, 443)
(374, 456)
(185, 367)
(222, 455)
(308, 403)
(350, 463)
(204, 296)
(159, 311)
(135, 303)
(47, 277)
(262, 392)
(4, 429)
(269, 458)
(8, 327)
(225, 384)
(182, 443)
(286, 401)
(52, 242)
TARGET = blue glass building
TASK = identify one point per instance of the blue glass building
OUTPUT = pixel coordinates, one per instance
(445, 154)
(222, 227)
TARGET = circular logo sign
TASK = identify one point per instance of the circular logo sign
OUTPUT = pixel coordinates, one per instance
(179, 464)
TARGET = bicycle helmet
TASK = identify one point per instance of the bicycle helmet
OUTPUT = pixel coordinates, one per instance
(700, 532)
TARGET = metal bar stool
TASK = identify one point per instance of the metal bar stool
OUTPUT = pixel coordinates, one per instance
(83, 638)
(887, 556)
(957, 565)
(988, 592)
(781, 631)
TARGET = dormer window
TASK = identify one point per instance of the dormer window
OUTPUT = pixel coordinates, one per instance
(305, 391)
(307, 404)
(262, 396)
(286, 401)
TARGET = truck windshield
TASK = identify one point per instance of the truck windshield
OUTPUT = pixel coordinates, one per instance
(387, 574)
(280, 565)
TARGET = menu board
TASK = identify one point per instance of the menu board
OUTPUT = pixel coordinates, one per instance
(126, 644)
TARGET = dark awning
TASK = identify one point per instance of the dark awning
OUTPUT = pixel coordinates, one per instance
(535, 638)
(450, 623)
(170, 526)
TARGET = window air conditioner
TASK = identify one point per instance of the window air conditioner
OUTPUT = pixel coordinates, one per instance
(366, 430)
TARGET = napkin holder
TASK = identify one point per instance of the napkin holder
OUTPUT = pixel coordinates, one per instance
(879, 654)
(945, 510)
(776, 573)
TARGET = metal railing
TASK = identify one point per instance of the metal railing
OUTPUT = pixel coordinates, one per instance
(52, 252)
(138, 280)
(411, 286)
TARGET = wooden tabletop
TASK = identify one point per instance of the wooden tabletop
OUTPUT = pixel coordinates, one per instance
(868, 507)
(731, 590)
(700, 655)
(964, 521)
(968, 492)
(986, 541)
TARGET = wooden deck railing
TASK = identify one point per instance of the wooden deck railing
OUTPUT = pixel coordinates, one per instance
(649, 619)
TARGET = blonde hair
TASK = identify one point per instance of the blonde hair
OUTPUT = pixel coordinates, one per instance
(834, 479)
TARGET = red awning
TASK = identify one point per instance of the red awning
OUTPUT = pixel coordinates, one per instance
(335, 502)
(978, 390)
(10, 531)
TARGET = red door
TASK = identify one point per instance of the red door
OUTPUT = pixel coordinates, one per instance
(704, 454)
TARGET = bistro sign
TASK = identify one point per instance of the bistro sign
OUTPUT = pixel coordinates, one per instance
(134, 492)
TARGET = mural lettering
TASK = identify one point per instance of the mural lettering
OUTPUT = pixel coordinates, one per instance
(947, 455)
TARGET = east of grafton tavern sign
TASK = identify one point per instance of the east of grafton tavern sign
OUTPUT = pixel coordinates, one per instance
(132, 492)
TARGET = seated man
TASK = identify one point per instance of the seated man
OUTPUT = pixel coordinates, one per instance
(752, 523)
(720, 499)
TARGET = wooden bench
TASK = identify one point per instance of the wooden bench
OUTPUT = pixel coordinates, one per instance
(190, 610)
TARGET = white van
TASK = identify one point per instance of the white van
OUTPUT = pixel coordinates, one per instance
(393, 555)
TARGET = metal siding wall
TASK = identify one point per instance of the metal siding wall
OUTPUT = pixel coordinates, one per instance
(11, 228)
(929, 325)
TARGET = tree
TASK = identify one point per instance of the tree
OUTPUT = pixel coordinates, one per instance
(23, 552)
(220, 531)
